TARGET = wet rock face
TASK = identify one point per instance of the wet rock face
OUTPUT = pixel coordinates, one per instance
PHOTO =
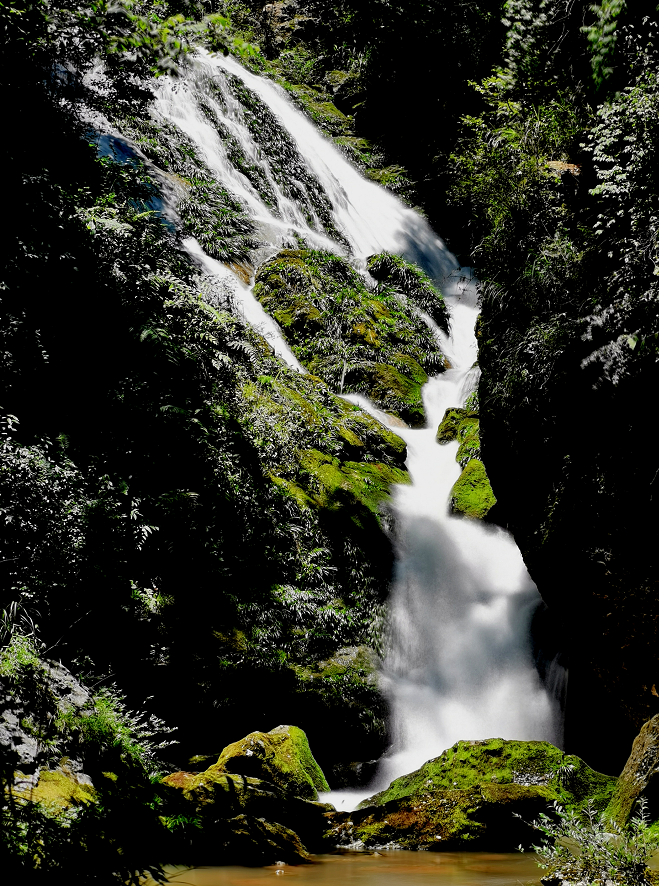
(470, 797)
(28, 710)
(640, 777)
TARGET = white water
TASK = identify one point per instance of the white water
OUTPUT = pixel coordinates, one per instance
(459, 664)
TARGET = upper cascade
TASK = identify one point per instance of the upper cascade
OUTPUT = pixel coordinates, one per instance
(295, 183)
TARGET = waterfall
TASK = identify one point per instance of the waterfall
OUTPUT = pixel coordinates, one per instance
(459, 664)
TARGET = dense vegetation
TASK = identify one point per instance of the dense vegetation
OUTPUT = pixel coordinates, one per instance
(183, 515)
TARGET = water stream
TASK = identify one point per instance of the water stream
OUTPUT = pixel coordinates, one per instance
(459, 664)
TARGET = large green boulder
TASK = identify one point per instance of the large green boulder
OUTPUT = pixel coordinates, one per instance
(282, 757)
(470, 797)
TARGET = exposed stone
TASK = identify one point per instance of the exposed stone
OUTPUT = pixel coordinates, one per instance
(640, 776)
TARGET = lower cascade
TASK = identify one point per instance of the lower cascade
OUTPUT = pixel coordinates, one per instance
(458, 663)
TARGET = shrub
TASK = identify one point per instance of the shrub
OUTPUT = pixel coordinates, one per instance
(588, 847)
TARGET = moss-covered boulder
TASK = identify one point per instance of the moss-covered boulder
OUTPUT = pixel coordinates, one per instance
(55, 786)
(461, 425)
(244, 820)
(281, 756)
(472, 494)
(357, 339)
(354, 461)
(640, 777)
(469, 797)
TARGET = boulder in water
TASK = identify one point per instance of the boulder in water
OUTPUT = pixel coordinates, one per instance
(470, 797)
(245, 820)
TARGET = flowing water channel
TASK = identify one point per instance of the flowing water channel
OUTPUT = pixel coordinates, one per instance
(459, 664)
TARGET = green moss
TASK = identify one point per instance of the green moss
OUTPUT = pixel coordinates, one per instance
(472, 494)
(335, 483)
(281, 756)
(306, 758)
(499, 762)
(477, 794)
(356, 339)
(58, 788)
(451, 423)
(392, 390)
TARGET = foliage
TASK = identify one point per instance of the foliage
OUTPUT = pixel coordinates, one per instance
(111, 723)
(588, 847)
(357, 340)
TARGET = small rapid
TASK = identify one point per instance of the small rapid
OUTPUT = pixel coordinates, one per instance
(459, 662)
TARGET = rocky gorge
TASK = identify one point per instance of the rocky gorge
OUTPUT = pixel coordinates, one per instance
(219, 344)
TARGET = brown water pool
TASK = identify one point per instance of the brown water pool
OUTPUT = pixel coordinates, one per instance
(395, 868)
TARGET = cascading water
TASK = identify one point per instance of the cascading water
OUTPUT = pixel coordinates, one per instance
(459, 664)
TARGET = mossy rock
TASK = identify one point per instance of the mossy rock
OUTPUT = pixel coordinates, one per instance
(453, 421)
(58, 788)
(472, 494)
(640, 776)
(357, 339)
(281, 756)
(469, 797)
(366, 458)
(392, 390)
(244, 820)
(483, 817)
(218, 800)
(501, 761)
(334, 484)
